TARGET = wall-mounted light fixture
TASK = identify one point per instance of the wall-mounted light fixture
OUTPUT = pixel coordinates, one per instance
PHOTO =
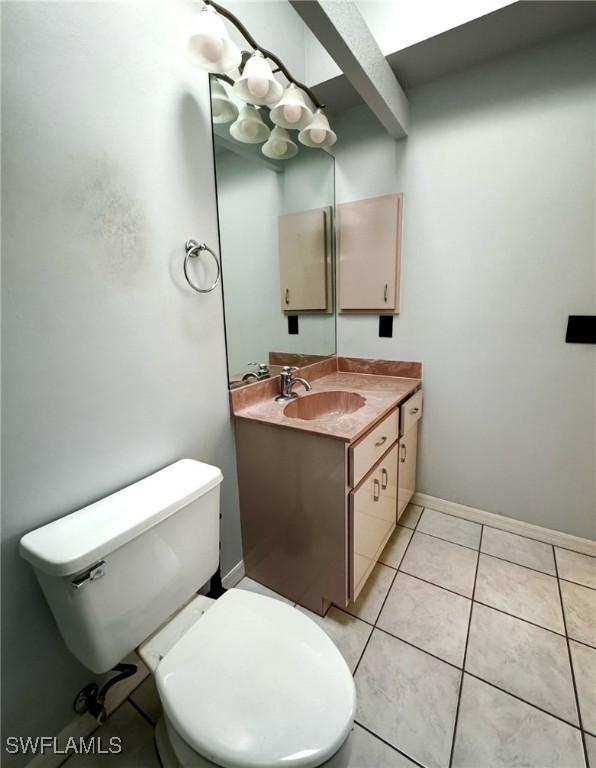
(211, 49)
(279, 145)
(223, 109)
(317, 133)
(249, 128)
(291, 110)
(209, 46)
(256, 84)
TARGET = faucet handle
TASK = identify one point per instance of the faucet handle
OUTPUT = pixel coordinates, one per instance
(289, 368)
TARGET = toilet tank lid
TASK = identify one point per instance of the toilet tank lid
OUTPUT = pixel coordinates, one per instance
(75, 542)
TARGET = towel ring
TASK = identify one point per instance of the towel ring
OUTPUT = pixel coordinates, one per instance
(194, 249)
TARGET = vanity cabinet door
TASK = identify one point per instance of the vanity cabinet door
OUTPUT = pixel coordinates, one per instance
(373, 507)
(303, 260)
(407, 468)
(368, 246)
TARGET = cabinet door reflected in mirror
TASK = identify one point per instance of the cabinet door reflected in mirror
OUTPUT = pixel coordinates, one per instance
(277, 251)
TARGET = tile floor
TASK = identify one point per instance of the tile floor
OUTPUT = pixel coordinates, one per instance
(471, 647)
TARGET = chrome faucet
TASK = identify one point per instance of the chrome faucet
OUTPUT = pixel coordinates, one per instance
(287, 382)
(262, 373)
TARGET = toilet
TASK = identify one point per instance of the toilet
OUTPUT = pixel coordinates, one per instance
(245, 681)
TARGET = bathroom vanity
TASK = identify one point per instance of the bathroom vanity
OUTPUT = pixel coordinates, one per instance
(324, 479)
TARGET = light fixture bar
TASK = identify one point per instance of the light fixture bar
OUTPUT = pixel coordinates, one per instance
(267, 54)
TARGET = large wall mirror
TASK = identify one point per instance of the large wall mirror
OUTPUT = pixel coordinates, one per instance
(275, 204)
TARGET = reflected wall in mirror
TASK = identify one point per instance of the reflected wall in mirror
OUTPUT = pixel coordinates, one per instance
(277, 244)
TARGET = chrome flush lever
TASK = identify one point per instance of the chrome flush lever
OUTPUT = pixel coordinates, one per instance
(96, 571)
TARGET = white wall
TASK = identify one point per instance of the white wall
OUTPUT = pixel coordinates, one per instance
(112, 367)
(498, 175)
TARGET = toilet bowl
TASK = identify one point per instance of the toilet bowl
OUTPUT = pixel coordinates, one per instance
(251, 681)
(245, 681)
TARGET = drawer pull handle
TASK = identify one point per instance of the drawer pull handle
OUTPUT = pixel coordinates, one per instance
(385, 292)
(376, 489)
(384, 478)
(381, 441)
(414, 410)
(404, 453)
(287, 296)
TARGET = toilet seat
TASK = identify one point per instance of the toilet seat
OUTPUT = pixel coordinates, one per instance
(254, 683)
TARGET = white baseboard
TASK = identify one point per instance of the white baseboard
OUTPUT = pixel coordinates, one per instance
(547, 535)
(233, 576)
(83, 726)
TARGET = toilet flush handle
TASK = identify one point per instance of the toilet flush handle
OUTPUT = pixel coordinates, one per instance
(96, 571)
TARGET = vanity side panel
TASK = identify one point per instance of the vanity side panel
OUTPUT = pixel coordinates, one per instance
(293, 512)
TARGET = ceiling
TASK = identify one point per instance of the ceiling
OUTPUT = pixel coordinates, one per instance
(502, 32)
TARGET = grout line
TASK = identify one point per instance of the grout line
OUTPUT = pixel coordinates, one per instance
(418, 648)
(447, 541)
(521, 618)
(387, 743)
(581, 642)
(432, 583)
(577, 583)
(143, 714)
(461, 679)
(524, 701)
(579, 712)
(520, 565)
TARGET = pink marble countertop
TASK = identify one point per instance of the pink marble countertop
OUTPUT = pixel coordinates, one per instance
(382, 393)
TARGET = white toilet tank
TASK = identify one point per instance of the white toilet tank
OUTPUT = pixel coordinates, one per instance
(115, 570)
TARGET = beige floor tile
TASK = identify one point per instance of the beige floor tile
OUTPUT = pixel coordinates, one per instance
(370, 600)
(396, 546)
(410, 516)
(498, 731)
(518, 549)
(520, 591)
(147, 699)
(580, 612)
(347, 632)
(408, 698)
(441, 562)
(427, 616)
(525, 660)
(574, 566)
(366, 751)
(591, 749)
(584, 667)
(136, 739)
(450, 528)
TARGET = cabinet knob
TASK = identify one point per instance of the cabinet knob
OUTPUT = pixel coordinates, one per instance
(414, 410)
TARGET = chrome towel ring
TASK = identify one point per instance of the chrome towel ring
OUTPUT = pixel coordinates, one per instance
(194, 249)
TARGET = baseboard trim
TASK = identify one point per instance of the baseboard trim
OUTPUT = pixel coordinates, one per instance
(547, 535)
(233, 576)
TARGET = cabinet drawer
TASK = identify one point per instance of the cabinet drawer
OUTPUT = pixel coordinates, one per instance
(372, 446)
(374, 516)
(410, 412)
